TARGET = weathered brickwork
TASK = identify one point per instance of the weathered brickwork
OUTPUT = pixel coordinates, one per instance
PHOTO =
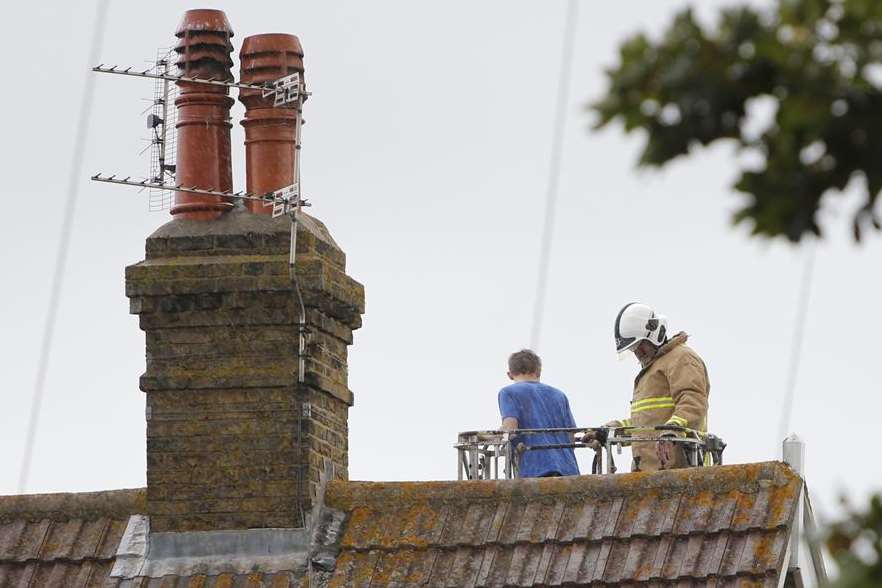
(232, 441)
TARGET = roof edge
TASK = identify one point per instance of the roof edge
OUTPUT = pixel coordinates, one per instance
(66, 505)
(744, 477)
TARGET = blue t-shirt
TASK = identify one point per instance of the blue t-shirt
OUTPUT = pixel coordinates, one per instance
(539, 406)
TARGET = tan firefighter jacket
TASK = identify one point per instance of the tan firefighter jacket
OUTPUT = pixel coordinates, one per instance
(672, 390)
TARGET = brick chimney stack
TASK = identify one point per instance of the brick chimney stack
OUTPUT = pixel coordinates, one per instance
(233, 442)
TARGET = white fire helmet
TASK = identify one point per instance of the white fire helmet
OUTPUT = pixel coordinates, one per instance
(637, 322)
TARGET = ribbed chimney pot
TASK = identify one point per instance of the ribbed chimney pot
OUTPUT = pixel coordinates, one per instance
(270, 132)
(203, 121)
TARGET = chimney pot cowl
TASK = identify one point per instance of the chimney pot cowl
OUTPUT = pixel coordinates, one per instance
(271, 42)
(203, 115)
(204, 19)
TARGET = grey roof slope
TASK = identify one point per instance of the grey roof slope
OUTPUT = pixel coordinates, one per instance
(63, 539)
(720, 526)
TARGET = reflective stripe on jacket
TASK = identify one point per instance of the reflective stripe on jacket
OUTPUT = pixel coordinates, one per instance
(672, 390)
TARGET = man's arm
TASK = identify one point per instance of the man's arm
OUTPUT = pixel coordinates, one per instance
(508, 410)
(570, 421)
(688, 383)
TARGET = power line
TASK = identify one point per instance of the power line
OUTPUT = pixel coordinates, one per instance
(73, 184)
(554, 166)
(796, 343)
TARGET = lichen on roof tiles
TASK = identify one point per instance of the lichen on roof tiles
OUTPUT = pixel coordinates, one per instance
(63, 539)
(65, 506)
(678, 526)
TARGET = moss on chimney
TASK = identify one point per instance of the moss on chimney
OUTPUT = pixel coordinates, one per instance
(220, 313)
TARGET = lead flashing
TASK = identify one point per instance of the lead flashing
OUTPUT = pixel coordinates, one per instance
(154, 555)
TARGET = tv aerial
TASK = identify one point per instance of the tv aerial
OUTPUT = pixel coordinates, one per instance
(162, 182)
(161, 178)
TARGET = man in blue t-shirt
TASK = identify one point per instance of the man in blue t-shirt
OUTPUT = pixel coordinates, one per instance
(530, 404)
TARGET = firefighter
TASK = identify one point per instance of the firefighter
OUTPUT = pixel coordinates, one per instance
(671, 388)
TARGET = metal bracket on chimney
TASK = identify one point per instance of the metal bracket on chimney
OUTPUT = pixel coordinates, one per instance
(284, 90)
(285, 201)
(306, 410)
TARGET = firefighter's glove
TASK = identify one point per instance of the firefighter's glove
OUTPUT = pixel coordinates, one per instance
(596, 439)
(664, 450)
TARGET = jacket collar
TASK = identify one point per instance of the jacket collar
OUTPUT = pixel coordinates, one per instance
(674, 341)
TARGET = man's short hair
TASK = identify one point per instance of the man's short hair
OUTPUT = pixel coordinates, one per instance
(524, 362)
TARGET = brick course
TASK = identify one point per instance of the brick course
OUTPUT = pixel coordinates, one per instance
(224, 411)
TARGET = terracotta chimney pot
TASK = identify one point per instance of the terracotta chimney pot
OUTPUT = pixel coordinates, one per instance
(203, 127)
(270, 132)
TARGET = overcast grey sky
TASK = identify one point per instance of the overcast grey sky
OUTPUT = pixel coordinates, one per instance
(426, 153)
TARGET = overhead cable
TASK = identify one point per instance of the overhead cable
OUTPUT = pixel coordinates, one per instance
(554, 169)
(73, 184)
(796, 343)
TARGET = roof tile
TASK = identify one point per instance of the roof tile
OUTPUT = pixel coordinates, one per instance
(662, 551)
(512, 524)
(487, 565)
(60, 539)
(602, 561)
(91, 539)
(708, 561)
(576, 521)
(557, 565)
(545, 562)
(580, 565)
(467, 564)
(10, 535)
(524, 560)
(30, 540)
(637, 559)
(435, 567)
(392, 568)
(670, 528)
(116, 528)
(721, 515)
(421, 569)
(729, 524)
(17, 575)
(478, 517)
(732, 556)
(453, 524)
(500, 513)
(416, 524)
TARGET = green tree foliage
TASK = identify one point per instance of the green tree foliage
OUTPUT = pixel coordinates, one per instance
(856, 544)
(820, 61)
